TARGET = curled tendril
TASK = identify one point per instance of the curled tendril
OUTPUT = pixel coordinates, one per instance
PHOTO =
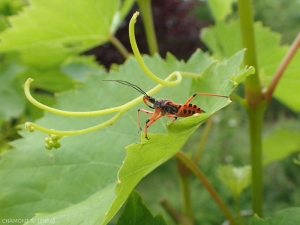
(55, 135)
(139, 58)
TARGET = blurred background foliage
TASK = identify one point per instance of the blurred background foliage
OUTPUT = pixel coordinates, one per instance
(177, 25)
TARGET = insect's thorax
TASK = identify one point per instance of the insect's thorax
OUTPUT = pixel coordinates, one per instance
(159, 103)
(166, 106)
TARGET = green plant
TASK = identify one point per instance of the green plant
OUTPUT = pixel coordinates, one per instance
(88, 178)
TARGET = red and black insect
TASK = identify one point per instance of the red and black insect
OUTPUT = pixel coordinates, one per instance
(165, 107)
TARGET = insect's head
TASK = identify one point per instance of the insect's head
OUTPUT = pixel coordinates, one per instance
(149, 98)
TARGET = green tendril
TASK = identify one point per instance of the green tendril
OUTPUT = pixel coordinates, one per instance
(55, 135)
(62, 133)
(139, 58)
(62, 112)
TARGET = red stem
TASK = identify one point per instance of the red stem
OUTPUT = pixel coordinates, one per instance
(283, 65)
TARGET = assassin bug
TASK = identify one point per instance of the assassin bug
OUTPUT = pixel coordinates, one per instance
(165, 107)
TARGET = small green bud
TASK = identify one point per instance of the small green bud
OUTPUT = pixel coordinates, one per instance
(51, 143)
(27, 125)
(31, 129)
(47, 139)
(57, 145)
(47, 146)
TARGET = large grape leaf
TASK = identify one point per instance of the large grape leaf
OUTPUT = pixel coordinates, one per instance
(48, 31)
(121, 14)
(78, 67)
(224, 40)
(10, 7)
(289, 216)
(76, 183)
(51, 79)
(135, 212)
(73, 71)
(220, 8)
(12, 101)
(145, 156)
(280, 144)
(237, 179)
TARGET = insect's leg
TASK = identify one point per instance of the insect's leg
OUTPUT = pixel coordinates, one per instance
(172, 116)
(203, 94)
(199, 93)
(152, 120)
(138, 115)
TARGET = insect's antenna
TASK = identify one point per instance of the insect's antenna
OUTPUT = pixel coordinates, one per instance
(131, 85)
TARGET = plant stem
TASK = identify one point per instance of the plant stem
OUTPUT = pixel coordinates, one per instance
(283, 65)
(255, 117)
(239, 100)
(255, 102)
(145, 7)
(177, 217)
(252, 86)
(193, 167)
(207, 129)
(184, 181)
(121, 48)
(238, 211)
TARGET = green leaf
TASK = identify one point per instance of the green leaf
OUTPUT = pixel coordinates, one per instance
(144, 157)
(297, 160)
(280, 144)
(12, 100)
(85, 212)
(10, 7)
(235, 178)
(79, 67)
(121, 14)
(135, 212)
(49, 31)
(220, 8)
(34, 112)
(51, 79)
(289, 216)
(62, 77)
(224, 40)
(3, 23)
(77, 182)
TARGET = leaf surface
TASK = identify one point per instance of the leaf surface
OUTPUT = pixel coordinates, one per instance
(224, 40)
(49, 31)
(135, 212)
(12, 101)
(145, 156)
(220, 8)
(235, 178)
(289, 216)
(280, 144)
(76, 183)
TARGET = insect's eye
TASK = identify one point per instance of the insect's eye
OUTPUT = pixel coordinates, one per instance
(151, 99)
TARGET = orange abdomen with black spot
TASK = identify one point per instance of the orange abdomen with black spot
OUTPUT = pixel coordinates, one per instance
(188, 110)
